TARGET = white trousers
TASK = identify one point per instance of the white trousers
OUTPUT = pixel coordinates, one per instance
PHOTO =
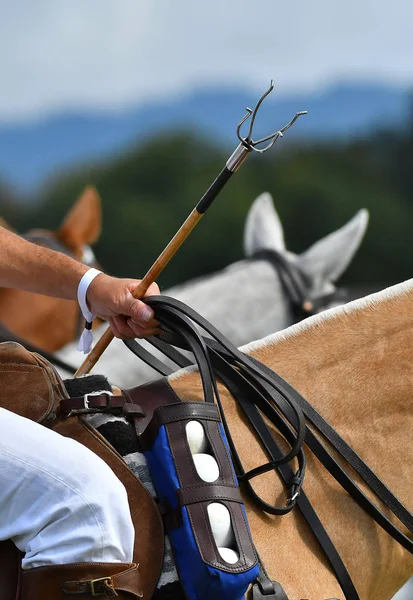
(59, 502)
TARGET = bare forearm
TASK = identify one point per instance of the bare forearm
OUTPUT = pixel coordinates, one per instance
(32, 268)
(29, 267)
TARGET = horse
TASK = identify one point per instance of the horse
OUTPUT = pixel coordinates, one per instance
(249, 299)
(352, 363)
(50, 323)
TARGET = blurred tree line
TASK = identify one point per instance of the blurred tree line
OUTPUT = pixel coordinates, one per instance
(148, 191)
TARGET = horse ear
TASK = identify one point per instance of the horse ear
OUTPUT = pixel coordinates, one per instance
(83, 223)
(263, 229)
(328, 258)
(4, 224)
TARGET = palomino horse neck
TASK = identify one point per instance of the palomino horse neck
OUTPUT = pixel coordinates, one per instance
(50, 323)
(353, 364)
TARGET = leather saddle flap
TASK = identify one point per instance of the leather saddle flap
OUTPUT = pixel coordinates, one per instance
(26, 386)
(31, 387)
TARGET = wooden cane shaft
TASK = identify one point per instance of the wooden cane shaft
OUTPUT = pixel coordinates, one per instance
(166, 255)
(143, 286)
(96, 352)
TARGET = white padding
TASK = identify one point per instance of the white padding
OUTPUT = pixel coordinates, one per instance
(230, 556)
(206, 466)
(196, 437)
(220, 520)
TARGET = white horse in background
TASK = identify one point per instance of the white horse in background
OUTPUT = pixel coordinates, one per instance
(247, 300)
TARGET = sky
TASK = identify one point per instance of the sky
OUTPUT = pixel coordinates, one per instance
(113, 54)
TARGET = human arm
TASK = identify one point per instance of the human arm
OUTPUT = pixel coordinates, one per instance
(34, 268)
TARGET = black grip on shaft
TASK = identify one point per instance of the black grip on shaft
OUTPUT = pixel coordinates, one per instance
(213, 191)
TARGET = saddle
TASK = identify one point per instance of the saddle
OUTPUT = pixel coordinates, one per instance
(30, 387)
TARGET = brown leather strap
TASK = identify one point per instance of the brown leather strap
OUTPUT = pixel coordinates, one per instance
(149, 397)
(204, 492)
(196, 501)
(195, 494)
(178, 411)
(125, 581)
(99, 402)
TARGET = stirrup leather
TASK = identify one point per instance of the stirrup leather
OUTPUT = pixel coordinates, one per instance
(83, 580)
(94, 587)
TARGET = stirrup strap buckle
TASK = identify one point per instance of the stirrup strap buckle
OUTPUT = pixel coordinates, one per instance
(98, 393)
(106, 582)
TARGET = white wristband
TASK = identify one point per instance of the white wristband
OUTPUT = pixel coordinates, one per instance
(86, 339)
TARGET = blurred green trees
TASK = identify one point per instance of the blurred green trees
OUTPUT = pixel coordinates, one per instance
(148, 192)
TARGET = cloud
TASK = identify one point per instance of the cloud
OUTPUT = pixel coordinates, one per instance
(106, 54)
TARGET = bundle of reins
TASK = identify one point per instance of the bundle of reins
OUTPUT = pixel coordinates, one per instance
(260, 391)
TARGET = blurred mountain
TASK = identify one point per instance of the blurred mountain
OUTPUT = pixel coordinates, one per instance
(34, 151)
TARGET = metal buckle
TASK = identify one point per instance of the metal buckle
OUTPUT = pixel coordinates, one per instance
(106, 580)
(86, 407)
(293, 498)
(101, 393)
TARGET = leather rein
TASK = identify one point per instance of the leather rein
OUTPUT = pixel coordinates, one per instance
(259, 390)
(296, 285)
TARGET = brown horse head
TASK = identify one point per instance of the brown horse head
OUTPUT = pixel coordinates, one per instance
(50, 323)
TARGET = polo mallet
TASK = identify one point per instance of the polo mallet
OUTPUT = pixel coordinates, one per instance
(244, 148)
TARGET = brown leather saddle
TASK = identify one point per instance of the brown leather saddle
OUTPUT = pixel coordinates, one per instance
(30, 387)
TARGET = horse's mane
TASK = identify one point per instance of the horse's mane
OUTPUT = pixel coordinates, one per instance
(371, 302)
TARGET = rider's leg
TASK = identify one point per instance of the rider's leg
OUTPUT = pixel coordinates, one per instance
(65, 509)
(59, 502)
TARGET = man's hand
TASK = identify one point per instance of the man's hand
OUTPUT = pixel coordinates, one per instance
(111, 299)
(26, 266)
